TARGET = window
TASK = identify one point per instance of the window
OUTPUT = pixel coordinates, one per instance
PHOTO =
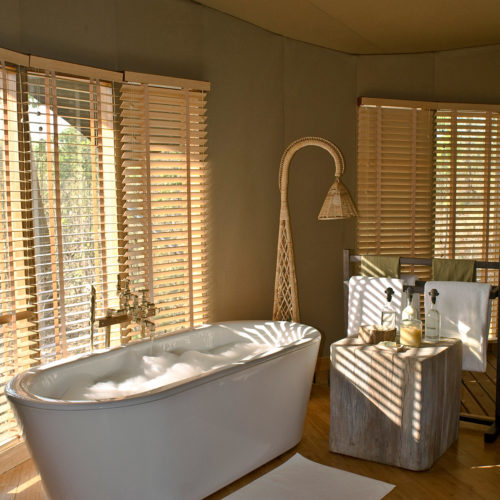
(394, 178)
(73, 212)
(429, 181)
(467, 185)
(102, 175)
(166, 198)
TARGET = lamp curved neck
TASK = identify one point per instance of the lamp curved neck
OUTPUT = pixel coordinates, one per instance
(334, 151)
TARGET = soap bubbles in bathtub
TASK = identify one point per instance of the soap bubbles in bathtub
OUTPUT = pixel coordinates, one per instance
(152, 372)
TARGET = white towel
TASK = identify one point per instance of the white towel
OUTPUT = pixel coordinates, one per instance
(465, 310)
(367, 299)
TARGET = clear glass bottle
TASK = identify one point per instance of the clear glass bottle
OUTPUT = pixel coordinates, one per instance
(388, 317)
(433, 320)
(409, 311)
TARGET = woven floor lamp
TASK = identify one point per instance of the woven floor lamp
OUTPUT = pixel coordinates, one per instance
(337, 205)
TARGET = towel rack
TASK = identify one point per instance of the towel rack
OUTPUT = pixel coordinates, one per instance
(492, 423)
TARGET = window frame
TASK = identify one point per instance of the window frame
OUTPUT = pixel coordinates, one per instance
(436, 109)
(22, 65)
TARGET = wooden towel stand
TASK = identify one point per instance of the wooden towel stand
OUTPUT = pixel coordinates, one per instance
(492, 423)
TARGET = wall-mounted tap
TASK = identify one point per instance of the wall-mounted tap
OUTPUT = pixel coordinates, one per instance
(134, 310)
(146, 309)
(130, 310)
(124, 295)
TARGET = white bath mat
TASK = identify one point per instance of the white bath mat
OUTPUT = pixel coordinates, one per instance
(300, 479)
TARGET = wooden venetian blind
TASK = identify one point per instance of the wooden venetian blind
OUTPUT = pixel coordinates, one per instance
(467, 188)
(18, 343)
(74, 207)
(98, 178)
(429, 182)
(467, 184)
(58, 217)
(394, 180)
(163, 135)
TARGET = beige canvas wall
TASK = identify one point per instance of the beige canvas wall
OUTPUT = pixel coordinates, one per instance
(266, 92)
(467, 75)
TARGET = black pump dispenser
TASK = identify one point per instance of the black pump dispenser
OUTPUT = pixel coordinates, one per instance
(433, 293)
(388, 316)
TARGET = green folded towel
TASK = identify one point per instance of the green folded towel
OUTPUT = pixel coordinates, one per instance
(453, 270)
(380, 266)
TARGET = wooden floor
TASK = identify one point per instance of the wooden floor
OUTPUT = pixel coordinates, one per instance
(469, 470)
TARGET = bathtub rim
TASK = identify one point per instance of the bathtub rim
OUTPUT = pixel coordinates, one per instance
(17, 394)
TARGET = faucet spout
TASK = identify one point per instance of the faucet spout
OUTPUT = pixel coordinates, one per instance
(131, 309)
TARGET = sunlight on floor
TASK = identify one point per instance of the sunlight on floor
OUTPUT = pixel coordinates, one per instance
(486, 467)
(24, 486)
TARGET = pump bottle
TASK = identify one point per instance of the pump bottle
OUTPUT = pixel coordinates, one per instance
(388, 317)
(410, 328)
(433, 320)
(409, 311)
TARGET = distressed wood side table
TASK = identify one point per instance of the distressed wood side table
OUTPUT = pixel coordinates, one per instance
(396, 408)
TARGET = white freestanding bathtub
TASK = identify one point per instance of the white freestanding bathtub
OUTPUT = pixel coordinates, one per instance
(182, 440)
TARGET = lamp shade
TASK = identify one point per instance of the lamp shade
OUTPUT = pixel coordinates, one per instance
(338, 203)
